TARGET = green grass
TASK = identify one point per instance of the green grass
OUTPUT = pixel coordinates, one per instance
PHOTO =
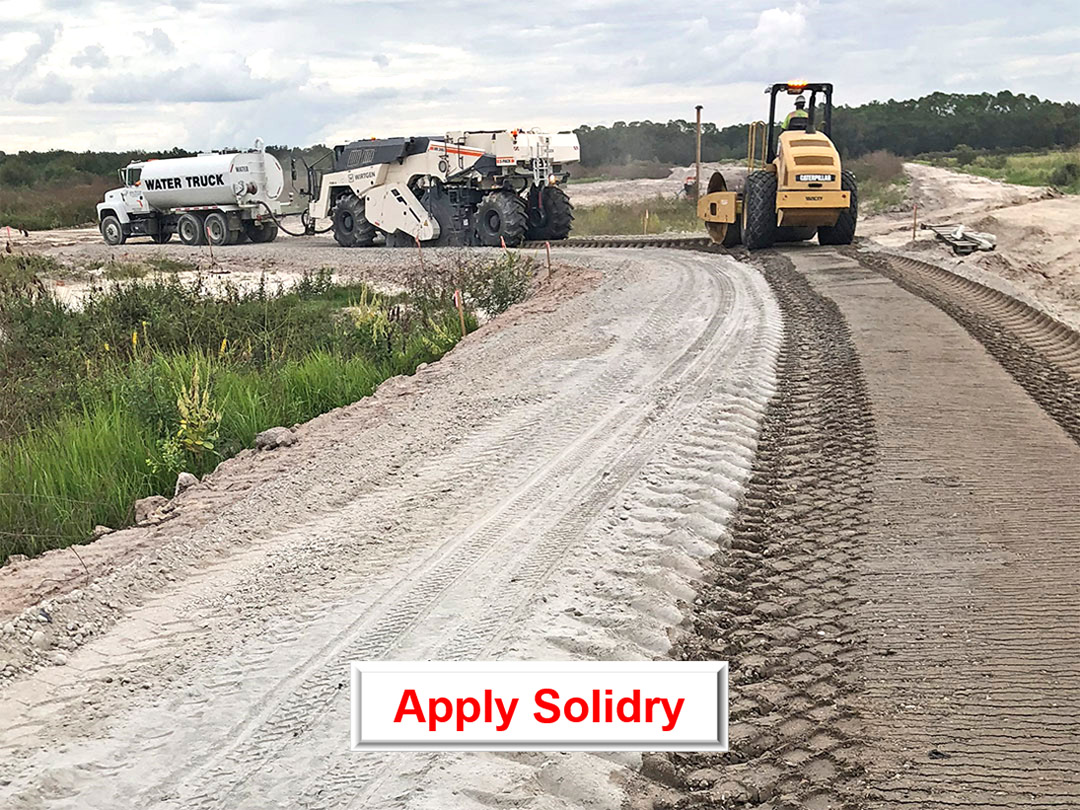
(52, 206)
(1023, 169)
(882, 182)
(664, 214)
(102, 404)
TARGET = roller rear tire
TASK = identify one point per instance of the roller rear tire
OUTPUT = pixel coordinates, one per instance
(759, 211)
(843, 232)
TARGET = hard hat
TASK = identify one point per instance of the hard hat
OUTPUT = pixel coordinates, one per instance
(800, 101)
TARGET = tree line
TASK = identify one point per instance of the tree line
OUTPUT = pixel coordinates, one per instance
(938, 122)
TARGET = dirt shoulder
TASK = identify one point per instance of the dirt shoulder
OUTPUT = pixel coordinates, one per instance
(1038, 253)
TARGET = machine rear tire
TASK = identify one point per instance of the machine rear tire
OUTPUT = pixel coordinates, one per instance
(261, 233)
(759, 211)
(351, 228)
(843, 232)
(216, 229)
(501, 217)
(190, 229)
(733, 234)
(112, 231)
(550, 213)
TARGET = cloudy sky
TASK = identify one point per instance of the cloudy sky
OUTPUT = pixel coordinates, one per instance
(105, 74)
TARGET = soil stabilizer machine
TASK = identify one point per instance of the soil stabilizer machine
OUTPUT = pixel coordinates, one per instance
(467, 188)
(795, 185)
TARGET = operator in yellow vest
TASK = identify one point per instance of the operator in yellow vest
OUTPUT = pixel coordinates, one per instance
(798, 112)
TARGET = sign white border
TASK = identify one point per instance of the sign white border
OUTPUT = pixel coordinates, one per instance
(717, 668)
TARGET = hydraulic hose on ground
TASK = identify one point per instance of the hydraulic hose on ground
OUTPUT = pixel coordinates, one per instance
(281, 227)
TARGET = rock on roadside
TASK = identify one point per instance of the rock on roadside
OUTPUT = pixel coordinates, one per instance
(274, 437)
(184, 481)
(146, 507)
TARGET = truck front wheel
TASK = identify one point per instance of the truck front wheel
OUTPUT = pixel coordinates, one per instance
(190, 228)
(112, 231)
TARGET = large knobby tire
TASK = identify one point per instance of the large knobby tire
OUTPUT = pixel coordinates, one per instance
(261, 232)
(501, 217)
(190, 229)
(733, 234)
(843, 232)
(550, 213)
(216, 227)
(759, 211)
(351, 228)
(112, 231)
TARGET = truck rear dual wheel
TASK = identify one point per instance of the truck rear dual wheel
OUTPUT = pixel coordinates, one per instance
(501, 217)
(112, 231)
(551, 215)
(190, 229)
(351, 227)
(261, 232)
(843, 232)
(216, 229)
(759, 211)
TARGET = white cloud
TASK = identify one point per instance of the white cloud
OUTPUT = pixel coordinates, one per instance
(49, 89)
(159, 42)
(92, 56)
(204, 73)
(228, 80)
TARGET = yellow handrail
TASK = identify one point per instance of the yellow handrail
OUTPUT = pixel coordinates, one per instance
(755, 145)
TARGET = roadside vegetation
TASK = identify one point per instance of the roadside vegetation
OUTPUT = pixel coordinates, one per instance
(1059, 169)
(107, 402)
(883, 184)
(633, 170)
(657, 215)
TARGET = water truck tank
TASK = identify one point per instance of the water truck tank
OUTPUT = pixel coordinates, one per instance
(239, 178)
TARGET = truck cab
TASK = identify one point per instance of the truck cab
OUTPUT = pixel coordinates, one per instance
(124, 210)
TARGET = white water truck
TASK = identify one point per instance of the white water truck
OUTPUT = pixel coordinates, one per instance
(217, 199)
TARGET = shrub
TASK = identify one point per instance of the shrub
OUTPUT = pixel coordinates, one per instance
(880, 165)
(1065, 175)
(964, 154)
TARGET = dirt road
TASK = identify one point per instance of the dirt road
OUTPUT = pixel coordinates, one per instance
(851, 474)
(523, 498)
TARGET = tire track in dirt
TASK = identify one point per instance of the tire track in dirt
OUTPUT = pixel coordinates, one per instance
(779, 603)
(708, 399)
(972, 663)
(1041, 354)
(591, 428)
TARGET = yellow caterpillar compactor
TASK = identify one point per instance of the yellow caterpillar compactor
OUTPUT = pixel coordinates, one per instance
(795, 185)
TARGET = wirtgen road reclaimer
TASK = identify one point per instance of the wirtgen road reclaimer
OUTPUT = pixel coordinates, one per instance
(469, 188)
(795, 187)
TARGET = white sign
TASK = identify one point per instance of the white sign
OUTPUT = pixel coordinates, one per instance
(529, 706)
